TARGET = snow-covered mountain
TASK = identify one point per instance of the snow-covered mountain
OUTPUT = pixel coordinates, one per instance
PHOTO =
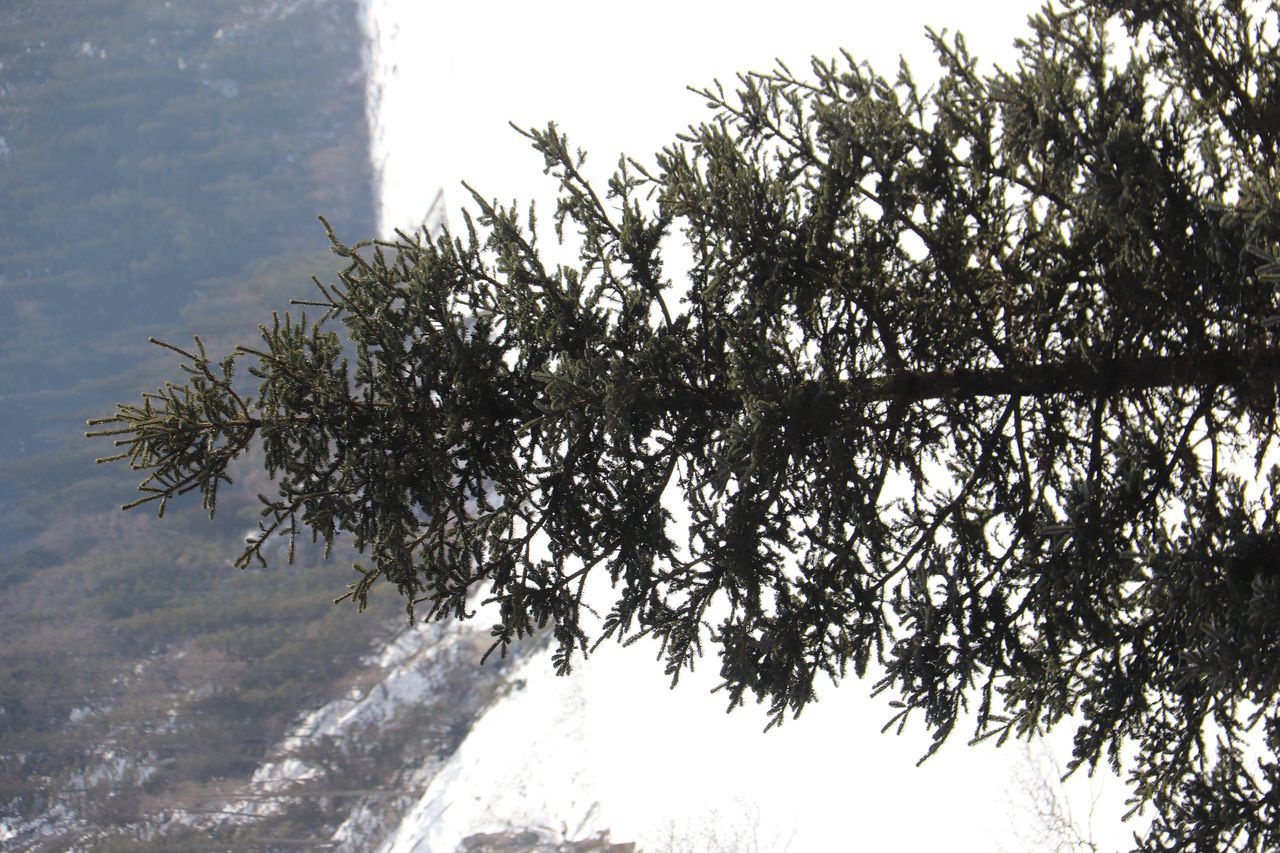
(418, 696)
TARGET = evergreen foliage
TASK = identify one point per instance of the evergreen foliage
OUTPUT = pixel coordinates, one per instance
(951, 390)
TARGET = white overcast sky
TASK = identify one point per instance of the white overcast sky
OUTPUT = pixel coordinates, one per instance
(613, 77)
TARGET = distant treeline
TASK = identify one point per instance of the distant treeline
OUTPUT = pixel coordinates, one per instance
(161, 168)
(154, 153)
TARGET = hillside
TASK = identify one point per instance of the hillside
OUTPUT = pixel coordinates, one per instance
(161, 168)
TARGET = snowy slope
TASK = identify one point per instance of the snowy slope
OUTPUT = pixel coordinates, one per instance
(610, 748)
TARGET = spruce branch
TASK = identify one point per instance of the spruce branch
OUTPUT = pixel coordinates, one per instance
(184, 436)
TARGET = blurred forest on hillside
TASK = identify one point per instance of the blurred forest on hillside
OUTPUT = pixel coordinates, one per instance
(161, 168)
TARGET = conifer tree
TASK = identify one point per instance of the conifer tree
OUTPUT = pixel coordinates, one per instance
(950, 393)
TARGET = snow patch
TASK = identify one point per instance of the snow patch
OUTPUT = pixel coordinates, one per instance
(408, 672)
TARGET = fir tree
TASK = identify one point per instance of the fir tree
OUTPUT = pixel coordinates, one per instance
(950, 395)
